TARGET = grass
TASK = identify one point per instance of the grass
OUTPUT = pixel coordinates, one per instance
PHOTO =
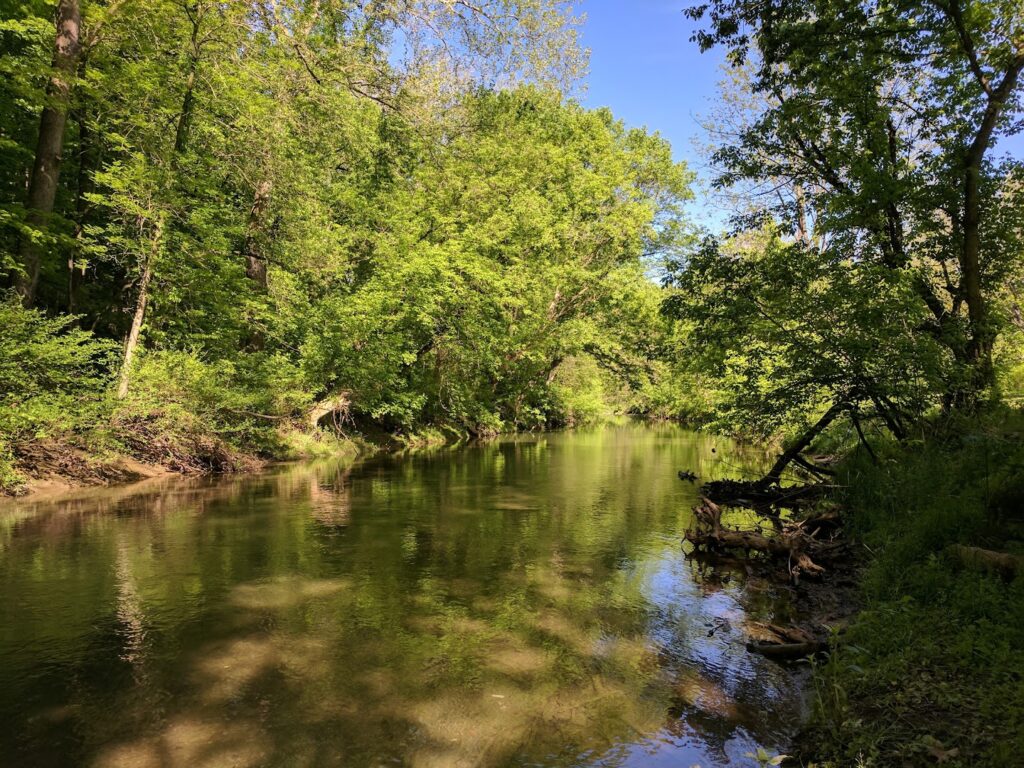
(932, 670)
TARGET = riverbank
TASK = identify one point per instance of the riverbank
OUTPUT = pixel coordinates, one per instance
(48, 466)
(931, 670)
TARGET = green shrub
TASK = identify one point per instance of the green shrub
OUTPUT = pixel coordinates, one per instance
(192, 414)
(932, 668)
(54, 380)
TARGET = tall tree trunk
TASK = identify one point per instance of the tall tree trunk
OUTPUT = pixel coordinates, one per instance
(255, 258)
(87, 163)
(180, 141)
(42, 189)
(185, 118)
(979, 347)
(132, 342)
(803, 234)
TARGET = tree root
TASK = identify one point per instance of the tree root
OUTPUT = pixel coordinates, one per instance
(796, 541)
(753, 494)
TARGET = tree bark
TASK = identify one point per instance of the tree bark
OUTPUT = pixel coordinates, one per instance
(255, 259)
(87, 163)
(775, 473)
(979, 347)
(181, 131)
(42, 190)
(132, 342)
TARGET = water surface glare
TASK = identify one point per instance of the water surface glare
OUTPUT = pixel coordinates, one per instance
(523, 602)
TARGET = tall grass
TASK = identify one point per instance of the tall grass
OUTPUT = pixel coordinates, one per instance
(932, 669)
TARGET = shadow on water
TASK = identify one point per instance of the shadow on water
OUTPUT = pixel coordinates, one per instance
(517, 603)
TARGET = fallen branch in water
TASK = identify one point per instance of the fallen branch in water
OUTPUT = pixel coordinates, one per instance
(797, 541)
(787, 651)
(753, 494)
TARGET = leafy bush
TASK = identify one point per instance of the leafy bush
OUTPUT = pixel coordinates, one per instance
(53, 379)
(193, 414)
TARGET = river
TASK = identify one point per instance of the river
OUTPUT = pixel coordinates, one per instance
(522, 602)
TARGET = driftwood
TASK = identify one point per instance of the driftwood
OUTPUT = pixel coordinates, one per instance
(1001, 563)
(753, 494)
(794, 541)
(788, 643)
(788, 651)
(336, 406)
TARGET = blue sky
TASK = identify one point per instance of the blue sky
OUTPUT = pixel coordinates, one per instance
(644, 67)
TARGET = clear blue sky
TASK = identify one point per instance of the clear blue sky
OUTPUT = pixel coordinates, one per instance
(644, 67)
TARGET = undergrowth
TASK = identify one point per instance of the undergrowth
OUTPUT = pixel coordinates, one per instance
(932, 670)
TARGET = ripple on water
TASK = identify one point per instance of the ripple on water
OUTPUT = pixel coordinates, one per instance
(517, 603)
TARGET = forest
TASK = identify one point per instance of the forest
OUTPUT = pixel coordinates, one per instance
(240, 232)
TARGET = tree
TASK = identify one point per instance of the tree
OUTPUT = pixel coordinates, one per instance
(42, 188)
(517, 247)
(797, 338)
(883, 116)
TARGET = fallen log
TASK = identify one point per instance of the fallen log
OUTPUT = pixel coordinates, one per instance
(787, 651)
(791, 634)
(1000, 563)
(793, 544)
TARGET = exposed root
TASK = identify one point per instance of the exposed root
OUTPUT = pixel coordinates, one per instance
(180, 447)
(796, 542)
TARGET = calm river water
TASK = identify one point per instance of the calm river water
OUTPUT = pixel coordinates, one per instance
(523, 602)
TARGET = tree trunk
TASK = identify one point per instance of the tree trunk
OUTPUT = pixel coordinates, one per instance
(42, 190)
(979, 348)
(132, 342)
(181, 132)
(775, 473)
(87, 163)
(255, 259)
(185, 118)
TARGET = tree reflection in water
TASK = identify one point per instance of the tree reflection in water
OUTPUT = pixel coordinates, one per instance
(516, 603)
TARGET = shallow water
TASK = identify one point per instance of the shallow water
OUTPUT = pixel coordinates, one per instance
(519, 603)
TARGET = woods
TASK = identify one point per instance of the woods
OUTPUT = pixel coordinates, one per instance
(395, 203)
(239, 232)
(272, 204)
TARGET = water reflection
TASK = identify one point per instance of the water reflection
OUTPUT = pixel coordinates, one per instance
(519, 603)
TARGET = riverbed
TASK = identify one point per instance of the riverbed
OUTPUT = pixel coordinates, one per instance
(520, 602)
